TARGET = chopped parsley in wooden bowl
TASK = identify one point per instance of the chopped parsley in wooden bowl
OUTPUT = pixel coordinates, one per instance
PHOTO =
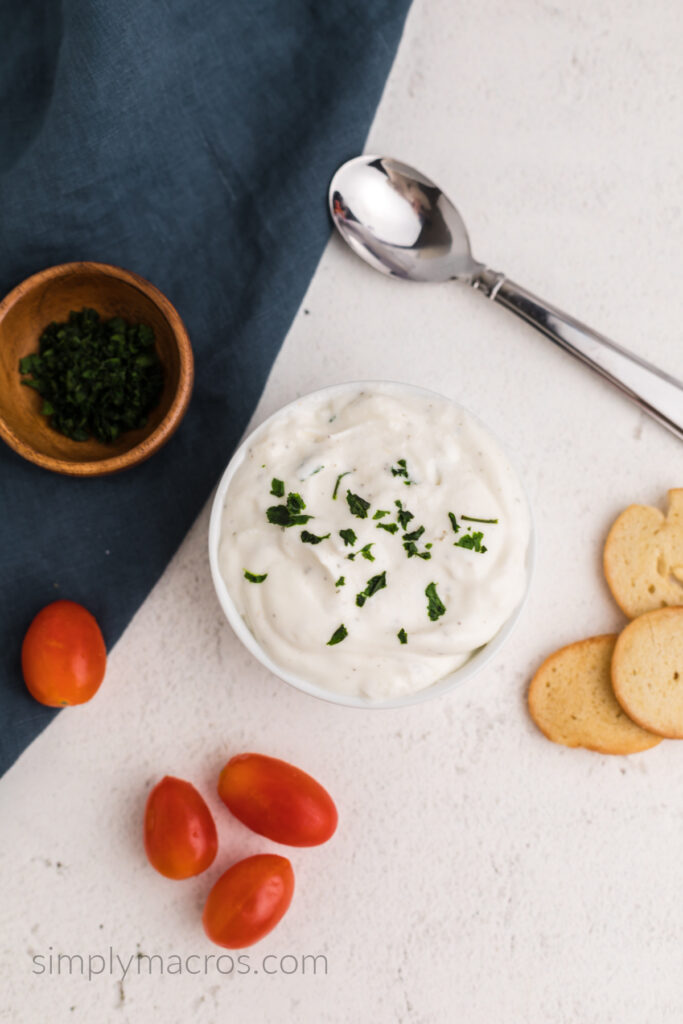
(108, 363)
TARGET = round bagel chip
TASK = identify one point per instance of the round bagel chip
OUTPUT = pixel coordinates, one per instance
(572, 702)
(647, 671)
(643, 557)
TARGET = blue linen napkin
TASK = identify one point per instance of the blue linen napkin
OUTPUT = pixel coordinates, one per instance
(192, 143)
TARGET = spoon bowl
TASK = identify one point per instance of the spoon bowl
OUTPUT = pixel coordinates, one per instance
(399, 221)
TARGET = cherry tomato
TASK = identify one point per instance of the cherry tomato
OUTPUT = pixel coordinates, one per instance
(277, 800)
(63, 656)
(180, 833)
(248, 900)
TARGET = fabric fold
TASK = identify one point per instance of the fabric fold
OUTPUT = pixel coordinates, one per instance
(192, 144)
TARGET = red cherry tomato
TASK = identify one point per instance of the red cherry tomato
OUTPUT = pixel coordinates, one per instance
(180, 833)
(277, 800)
(248, 900)
(63, 656)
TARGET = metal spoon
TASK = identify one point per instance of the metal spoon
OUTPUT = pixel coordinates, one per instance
(401, 223)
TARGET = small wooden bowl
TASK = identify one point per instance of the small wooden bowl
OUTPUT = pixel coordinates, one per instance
(51, 295)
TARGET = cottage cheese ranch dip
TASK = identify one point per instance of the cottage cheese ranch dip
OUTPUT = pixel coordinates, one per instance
(373, 538)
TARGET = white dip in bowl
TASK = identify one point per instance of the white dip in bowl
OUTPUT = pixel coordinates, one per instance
(413, 505)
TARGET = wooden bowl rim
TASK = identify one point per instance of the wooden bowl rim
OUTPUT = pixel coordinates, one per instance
(171, 421)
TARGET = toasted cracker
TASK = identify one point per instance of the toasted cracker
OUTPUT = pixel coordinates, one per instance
(647, 671)
(572, 702)
(643, 558)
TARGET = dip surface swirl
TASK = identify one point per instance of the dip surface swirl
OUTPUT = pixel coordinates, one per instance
(415, 603)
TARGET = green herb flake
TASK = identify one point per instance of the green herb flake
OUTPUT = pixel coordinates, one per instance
(277, 488)
(254, 577)
(289, 514)
(473, 542)
(472, 519)
(410, 544)
(310, 538)
(402, 636)
(365, 552)
(98, 378)
(411, 550)
(454, 522)
(435, 606)
(403, 515)
(339, 634)
(340, 582)
(389, 527)
(348, 536)
(295, 503)
(401, 469)
(280, 515)
(380, 512)
(357, 505)
(336, 486)
(374, 584)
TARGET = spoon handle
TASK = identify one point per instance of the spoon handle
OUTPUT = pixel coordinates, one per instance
(656, 392)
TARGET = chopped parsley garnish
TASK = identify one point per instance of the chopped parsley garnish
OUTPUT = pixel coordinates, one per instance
(280, 515)
(472, 519)
(389, 527)
(348, 536)
(358, 506)
(339, 634)
(380, 512)
(253, 577)
(454, 522)
(472, 541)
(365, 552)
(295, 502)
(403, 516)
(402, 636)
(336, 486)
(374, 584)
(401, 470)
(410, 544)
(410, 548)
(435, 606)
(289, 514)
(310, 538)
(340, 582)
(277, 488)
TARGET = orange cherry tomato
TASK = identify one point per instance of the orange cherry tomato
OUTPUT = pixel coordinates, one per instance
(63, 656)
(180, 833)
(248, 900)
(277, 800)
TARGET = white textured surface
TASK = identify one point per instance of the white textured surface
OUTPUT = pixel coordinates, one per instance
(480, 873)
